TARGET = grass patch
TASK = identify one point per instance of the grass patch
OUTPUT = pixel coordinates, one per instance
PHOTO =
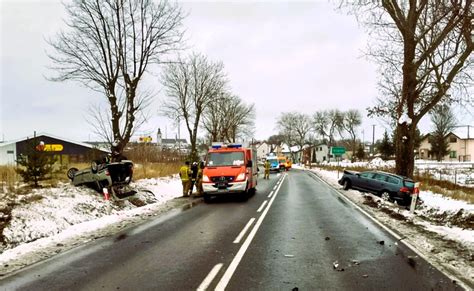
(154, 170)
(446, 188)
(393, 214)
(8, 178)
(370, 201)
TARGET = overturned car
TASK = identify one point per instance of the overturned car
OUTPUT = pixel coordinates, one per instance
(115, 177)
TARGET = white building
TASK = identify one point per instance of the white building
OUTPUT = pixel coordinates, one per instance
(176, 143)
(262, 150)
(8, 153)
(461, 145)
(322, 153)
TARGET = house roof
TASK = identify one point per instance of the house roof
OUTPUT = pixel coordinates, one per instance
(464, 132)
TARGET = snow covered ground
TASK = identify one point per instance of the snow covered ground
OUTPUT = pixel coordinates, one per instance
(441, 229)
(51, 220)
(461, 173)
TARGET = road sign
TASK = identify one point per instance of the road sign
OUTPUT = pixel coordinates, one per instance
(338, 151)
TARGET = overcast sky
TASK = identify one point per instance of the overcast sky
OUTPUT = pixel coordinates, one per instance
(281, 56)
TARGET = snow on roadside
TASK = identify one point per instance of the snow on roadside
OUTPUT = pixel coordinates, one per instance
(48, 218)
(430, 229)
(434, 207)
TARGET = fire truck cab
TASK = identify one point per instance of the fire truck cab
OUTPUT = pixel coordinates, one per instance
(230, 169)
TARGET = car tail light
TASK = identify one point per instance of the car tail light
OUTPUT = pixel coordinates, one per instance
(240, 177)
(205, 178)
(405, 190)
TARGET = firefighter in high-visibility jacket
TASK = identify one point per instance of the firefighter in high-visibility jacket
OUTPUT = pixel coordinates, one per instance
(267, 170)
(199, 188)
(184, 174)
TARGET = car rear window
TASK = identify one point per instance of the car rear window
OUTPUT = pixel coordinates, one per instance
(409, 184)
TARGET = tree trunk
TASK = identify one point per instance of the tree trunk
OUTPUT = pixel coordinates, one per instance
(404, 146)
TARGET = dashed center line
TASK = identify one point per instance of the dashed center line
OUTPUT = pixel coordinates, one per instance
(208, 280)
(263, 205)
(238, 257)
(242, 233)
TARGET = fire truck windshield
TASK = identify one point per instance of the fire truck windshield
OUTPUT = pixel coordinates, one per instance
(225, 159)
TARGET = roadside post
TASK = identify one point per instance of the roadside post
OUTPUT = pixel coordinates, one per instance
(414, 197)
(107, 199)
(337, 152)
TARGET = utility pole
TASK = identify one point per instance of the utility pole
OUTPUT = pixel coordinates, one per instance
(373, 138)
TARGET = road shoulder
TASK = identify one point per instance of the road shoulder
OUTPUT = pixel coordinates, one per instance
(450, 257)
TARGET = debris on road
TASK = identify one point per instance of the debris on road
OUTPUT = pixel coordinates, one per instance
(336, 265)
(411, 261)
(289, 256)
(327, 238)
(381, 242)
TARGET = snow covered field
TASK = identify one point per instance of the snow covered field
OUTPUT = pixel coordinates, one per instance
(52, 220)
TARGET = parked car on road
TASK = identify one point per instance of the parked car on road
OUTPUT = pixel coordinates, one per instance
(388, 186)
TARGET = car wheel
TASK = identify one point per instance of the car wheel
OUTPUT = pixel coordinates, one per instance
(346, 185)
(386, 196)
(207, 198)
(71, 172)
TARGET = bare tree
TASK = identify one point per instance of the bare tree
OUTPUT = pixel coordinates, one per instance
(327, 123)
(191, 85)
(320, 125)
(240, 120)
(423, 50)
(295, 127)
(351, 121)
(228, 118)
(108, 46)
(275, 140)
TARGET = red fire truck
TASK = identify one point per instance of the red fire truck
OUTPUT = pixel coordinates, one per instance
(230, 169)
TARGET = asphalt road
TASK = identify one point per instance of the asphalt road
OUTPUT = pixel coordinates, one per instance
(303, 236)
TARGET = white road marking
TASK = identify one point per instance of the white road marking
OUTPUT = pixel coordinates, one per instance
(240, 254)
(263, 205)
(244, 231)
(270, 195)
(208, 280)
(275, 186)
